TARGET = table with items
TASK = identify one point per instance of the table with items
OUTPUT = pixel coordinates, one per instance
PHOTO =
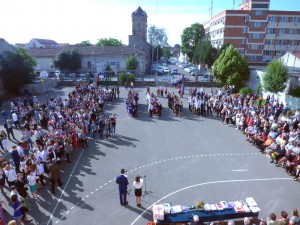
(165, 213)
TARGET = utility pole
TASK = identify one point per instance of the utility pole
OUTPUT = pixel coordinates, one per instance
(211, 8)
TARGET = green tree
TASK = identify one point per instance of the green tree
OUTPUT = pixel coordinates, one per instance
(166, 52)
(109, 42)
(84, 43)
(107, 68)
(17, 70)
(205, 53)
(131, 63)
(68, 60)
(223, 47)
(231, 68)
(190, 38)
(276, 77)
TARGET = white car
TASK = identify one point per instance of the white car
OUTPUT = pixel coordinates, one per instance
(166, 69)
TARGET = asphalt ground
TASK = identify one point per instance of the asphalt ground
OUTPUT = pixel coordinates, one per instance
(185, 159)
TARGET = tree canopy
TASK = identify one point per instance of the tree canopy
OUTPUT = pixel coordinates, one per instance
(109, 42)
(190, 38)
(68, 60)
(205, 53)
(231, 68)
(131, 63)
(84, 43)
(276, 77)
(17, 69)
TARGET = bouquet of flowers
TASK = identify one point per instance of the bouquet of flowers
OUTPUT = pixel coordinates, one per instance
(199, 205)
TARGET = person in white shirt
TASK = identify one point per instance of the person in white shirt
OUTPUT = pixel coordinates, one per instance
(11, 175)
(40, 173)
(138, 189)
(16, 120)
(31, 178)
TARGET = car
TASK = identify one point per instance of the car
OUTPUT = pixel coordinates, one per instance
(266, 60)
(157, 70)
(174, 72)
(194, 70)
(166, 69)
(178, 80)
(189, 69)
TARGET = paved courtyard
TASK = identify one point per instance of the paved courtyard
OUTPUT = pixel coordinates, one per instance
(184, 159)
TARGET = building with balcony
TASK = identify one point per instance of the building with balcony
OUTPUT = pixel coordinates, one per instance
(258, 33)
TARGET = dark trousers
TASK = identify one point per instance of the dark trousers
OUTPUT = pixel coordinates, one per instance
(52, 181)
(10, 132)
(42, 179)
(68, 157)
(123, 195)
(17, 124)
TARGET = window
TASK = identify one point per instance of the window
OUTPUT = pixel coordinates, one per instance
(245, 29)
(243, 41)
(246, 18)
(257, 24)
(89, 65)
(258, 12)
(270, 31)
(282, 31)
(293, 31)
(284, 19)
(268, 42)
(117, 64)
(256, 36)
(253, 58)
(272, 19)
(260, 6)
(295, 19)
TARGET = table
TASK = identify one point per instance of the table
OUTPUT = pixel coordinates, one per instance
(205, 216)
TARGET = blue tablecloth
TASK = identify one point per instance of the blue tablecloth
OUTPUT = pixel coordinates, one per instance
(206, 216)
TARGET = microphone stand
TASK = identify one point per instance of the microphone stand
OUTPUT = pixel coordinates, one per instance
(145, 190)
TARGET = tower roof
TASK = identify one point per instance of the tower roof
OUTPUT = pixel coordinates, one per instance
(139, 12)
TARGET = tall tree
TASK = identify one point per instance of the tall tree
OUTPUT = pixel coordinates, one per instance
(231, 68)
(190, 38)
(68, 60)
(223, 47)
(276, 77)
(158, 39)
(131, 63)
(17, 70)
(166, 52)
(109, 42)
(84, 43)
(205, 53)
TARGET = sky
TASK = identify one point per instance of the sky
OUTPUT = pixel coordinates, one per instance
(73, 21)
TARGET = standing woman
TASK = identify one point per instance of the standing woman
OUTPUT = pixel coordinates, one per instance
(138, 187)
(16, 204)
(2, 179)
(31, 178)
(3, 137)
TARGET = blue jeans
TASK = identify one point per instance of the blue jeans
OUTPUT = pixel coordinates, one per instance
(107, 132)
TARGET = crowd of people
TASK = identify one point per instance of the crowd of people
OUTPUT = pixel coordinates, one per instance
(154, 105)
(132, 102)
(49, 133)
(269, 126)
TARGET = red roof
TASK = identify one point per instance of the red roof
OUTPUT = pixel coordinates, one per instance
(297, 54)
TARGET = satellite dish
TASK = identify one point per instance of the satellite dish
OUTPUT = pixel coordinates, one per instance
(43, 74)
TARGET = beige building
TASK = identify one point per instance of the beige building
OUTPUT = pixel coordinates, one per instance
(258, 33)
(94, 58)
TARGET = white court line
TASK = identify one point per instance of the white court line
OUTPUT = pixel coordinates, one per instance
(201, 184)
(64, 189)
(240, 170)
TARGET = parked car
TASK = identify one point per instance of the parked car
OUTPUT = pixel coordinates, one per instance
(166, 69)
(178, 80)
(174, 72)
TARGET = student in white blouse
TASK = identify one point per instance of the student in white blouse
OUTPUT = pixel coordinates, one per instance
(138, 189)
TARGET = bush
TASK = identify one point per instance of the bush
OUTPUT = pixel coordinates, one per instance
(295, 92)
(245, 91)
(125, 77)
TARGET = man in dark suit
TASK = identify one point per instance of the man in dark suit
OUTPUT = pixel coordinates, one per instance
(122, 181)
(54, 175)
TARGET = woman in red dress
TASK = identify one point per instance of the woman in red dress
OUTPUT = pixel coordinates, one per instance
(74, 140)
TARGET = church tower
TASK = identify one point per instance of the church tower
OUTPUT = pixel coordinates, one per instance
(139, 23)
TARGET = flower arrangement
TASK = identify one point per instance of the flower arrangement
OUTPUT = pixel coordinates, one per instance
(199, 205)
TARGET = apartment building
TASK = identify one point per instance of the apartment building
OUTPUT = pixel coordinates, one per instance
(258, 33)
